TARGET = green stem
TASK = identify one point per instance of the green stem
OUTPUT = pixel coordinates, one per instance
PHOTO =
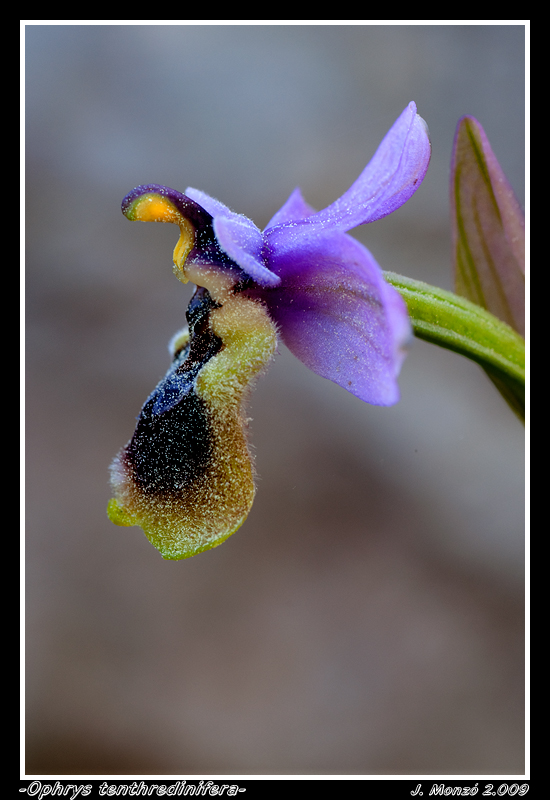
(450, 321)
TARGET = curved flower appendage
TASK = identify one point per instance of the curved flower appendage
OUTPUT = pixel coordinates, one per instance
(186, 476)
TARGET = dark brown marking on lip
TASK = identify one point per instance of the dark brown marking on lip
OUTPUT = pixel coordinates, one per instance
(172, 444)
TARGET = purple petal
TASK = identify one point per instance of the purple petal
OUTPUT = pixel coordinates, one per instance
(210, 204)
(243, 242)
(335, 311)
(238, 236)
(293, 210)
(389, 180)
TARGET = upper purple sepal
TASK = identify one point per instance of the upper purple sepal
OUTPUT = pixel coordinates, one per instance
(391, 177)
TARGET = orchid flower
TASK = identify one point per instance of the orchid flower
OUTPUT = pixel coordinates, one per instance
(186, 476)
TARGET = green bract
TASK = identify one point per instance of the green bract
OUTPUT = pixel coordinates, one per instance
(488, 241)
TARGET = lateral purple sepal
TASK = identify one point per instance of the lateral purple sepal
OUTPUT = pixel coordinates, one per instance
(294, 210)
(336, 313)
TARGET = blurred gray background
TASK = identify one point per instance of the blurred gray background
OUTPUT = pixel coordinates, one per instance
(368, 617)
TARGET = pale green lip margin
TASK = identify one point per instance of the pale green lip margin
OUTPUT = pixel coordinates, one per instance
(209, 546)
(119, 516)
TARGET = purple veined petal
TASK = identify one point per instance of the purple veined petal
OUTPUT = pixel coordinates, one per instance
(243, 242)
(293, 210)
(210, 204)
(391, 177)
(238, 236)
(336, 313)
